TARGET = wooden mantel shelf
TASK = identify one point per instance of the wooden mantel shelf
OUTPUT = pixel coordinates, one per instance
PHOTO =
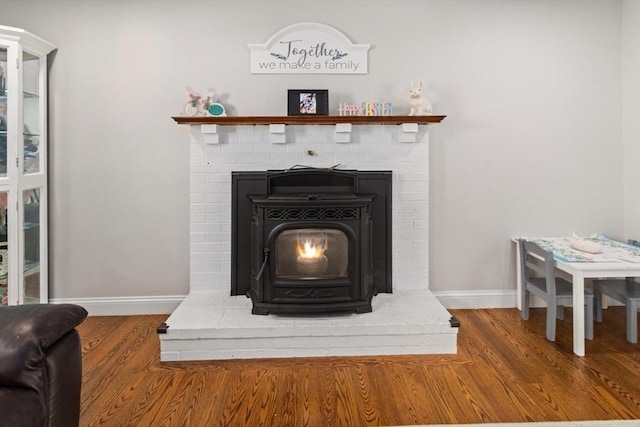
(306, 120)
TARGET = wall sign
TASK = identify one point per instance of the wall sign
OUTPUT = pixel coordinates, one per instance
(309, 48)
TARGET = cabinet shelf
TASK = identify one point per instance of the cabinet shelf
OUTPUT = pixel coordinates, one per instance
(24, 134)
(25, 95)
(306, 120)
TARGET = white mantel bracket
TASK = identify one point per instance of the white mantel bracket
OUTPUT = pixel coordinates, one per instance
(205, 134)
(408, 132)
(343, 133)
(210, 134)
(277, 133)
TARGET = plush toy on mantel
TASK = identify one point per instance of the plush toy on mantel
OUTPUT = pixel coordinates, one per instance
(418, 104)
(197, 105)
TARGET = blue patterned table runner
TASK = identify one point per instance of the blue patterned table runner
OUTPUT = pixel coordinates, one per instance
(612, 250)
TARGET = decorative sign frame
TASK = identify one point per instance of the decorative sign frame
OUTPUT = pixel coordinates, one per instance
(309, 48)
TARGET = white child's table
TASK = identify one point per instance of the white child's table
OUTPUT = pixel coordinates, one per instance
(617, 259)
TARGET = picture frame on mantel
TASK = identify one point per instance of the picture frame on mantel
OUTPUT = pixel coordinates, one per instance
(308, 102)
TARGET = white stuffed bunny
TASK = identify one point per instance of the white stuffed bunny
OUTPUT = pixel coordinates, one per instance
(418, 104)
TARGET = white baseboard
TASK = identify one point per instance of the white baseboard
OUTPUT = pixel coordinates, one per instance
(129, 306)
(125, 306)
(477, 299)
(493, 299)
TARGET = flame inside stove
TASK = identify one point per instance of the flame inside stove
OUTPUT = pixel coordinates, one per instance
(309, 250)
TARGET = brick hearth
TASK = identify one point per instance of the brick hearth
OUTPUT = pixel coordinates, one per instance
(209, 313)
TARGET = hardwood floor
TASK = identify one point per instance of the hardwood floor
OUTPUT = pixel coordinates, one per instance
(505, 371)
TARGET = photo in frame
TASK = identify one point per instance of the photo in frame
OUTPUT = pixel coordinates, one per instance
(312, 102)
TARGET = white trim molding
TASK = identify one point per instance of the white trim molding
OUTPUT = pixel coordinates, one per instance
(125, 306)
(477, 299)
(166, 304)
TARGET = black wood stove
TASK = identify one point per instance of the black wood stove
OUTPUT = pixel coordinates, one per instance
(310, 234)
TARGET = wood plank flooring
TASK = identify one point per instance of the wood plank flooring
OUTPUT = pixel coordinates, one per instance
(505, 371)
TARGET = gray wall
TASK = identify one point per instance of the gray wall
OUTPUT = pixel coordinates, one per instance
(631, 116)
(532, 144)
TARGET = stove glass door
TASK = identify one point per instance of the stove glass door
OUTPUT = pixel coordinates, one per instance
(312, 253)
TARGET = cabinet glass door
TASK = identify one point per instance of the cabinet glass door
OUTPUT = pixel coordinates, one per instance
(31, 230)
(3, 111)
(31, 114)
(4, 250)
(23, 167)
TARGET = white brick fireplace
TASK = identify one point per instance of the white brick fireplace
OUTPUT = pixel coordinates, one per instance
(211, 324)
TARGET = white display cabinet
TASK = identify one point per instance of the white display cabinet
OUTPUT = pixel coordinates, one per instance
(23, 167)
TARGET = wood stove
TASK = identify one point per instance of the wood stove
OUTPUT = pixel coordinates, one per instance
(310, 235)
